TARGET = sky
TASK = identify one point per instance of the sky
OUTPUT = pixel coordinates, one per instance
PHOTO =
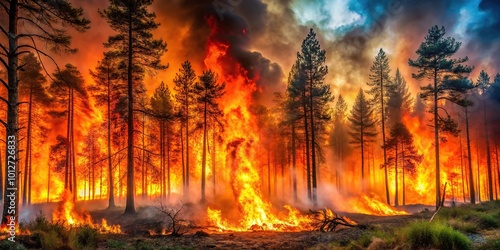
(350, 31)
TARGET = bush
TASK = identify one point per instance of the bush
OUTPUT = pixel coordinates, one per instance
(9, 245)
(84, 237)
(488, 221)
(115, 244)
(463, 226)
(425, 235)
(491, 245)
(51, 240)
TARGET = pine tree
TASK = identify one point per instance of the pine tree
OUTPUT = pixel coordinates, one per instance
(69, 90)
(339, 137)
(362, 126)
(137, 51)
(402, 154)
(26, 26)
(434, 62)
(184, 87)
(400, 100)
(291, 108)
(483, 84)
(207, 90)
(316, 95)
(105, 77)
(162, 107)
(32, 88)
(380, 84)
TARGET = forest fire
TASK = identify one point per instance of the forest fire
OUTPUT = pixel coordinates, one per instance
(243, 116)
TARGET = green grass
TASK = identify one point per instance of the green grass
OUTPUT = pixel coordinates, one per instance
(426, 235)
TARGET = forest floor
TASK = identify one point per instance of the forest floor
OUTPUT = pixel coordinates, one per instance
(480, 224)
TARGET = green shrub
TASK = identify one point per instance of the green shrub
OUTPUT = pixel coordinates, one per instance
(463, 226)
(51, 240)
(488, 221)
(84, 237)
(425, 235)
(9, 245)
(491, 245)
(115, 244)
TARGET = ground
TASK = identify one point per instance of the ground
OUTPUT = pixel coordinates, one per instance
(145, 230)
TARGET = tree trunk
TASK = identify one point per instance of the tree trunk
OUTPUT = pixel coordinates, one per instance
(313, 148)
(130, 204)
(73, 155)
(213, 160)
(168, 163)
(204, 155)
(183, 166)
(462, 169)
(111, 189)
(383, 135)
(478, 175)
(294, 165)
(403, 166)
(436, 142)
(68, 143)
(11, 195)
(488, 154)
(308, 164)
(143, 172)
(26, 184)
(186, 189)
(268, 170)
(472, 192)
(396, 193)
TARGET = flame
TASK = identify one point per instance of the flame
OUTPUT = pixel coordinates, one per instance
(67, 214)
(242, 140)
(373, 205)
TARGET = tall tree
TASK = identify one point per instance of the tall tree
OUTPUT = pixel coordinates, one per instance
(207, 90)
(291, 108)
(434, 62)
(339, 137)
(105, 77)
(380, 84)
(466, 104)
(137, 51)
(400, 100)
(316, 94)
(362, 126)
(184, 86)
(483, 84)
(68, 90)
(31, 88)
(27, 24)
(402, 154)
(162, 107)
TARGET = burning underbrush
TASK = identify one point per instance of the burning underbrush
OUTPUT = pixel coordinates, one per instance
(68, 216)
